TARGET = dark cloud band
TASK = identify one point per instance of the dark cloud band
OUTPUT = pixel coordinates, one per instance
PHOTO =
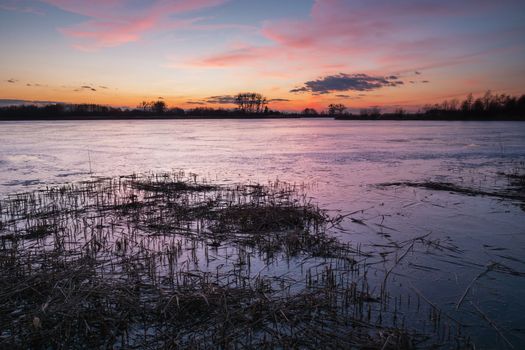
(347, 82)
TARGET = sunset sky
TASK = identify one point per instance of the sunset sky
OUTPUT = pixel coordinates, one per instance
(298, 53)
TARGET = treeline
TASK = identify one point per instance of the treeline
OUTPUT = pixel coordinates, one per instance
(252, 105)
(146, 110)
(488, 107)
(249, 105)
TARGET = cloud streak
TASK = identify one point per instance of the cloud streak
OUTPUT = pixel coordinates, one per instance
(85, 88)
(376, 36)
(5, 102)
(113, 23)
(227, 100)
(197, 103)
(224, 99)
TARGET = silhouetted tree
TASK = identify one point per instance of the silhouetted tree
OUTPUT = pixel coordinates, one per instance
(159, 107)
(310, 111)
(466, 105)
(489, 106)
(250, 102)
(336, 108)
(144, 106)
(400, 112)
(176, 111)
(373, 112)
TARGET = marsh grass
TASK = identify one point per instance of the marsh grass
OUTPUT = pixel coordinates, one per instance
(169, 261)
(515, 190)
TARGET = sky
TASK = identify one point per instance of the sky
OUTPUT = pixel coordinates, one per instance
(298, 53)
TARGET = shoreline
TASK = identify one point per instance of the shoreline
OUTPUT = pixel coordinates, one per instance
(245, 117)
(146, 117)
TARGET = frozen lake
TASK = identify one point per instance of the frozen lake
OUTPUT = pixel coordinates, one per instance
(342, 162)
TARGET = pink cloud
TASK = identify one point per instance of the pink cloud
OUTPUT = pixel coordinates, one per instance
(114, 22)
(331, 23)
(360, 27)
(280, 61)
(335, 34)
(236, 57)
(365, 35)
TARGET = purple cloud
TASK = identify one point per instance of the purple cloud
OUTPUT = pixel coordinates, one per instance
(348, 82)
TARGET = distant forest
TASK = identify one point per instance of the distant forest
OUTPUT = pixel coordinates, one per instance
(254, 105)
(488, 107)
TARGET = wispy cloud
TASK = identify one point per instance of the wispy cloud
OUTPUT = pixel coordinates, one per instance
(116, 22)
(278, 100)
(377, 36)
(224, 99)
(232, 58)
(85, 88)
(227, 100)
(4, 102)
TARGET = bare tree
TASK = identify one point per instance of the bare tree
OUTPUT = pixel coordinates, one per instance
(144, 106)
(466, 105)
(310, 111)
(370, 112)
(159, 107)
(251, 102)
(336, 108)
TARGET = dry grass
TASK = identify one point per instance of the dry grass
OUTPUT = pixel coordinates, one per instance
(165, 261)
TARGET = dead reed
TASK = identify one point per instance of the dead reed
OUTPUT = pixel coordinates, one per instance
(167, 261)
